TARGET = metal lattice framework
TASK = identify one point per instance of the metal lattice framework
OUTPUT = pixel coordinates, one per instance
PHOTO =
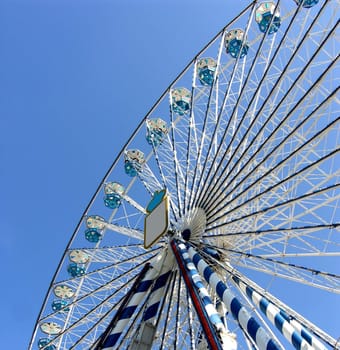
(246, 144)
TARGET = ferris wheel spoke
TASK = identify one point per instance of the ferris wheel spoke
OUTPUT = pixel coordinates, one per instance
(177, 332)
(316, 137)
(284, 230)
(211, 115)
(196, 142)
(117, 254)
(166, 180)
(96, 313)
(149, 179)
(133, 203)
(323, 281)
(295, 178)
(286, 204)
(211, 190)
(127, 231)
(169, 157)
(168, 338)
(252, 172)
(123, 220)
(298, 273)
(295, 244)
(278, 148)
(212, 185)
(104, 271)
(273, 194)
(253, 98)
(178, 168)
(303, 255)
(100, 291)
(174, 332)
(278, 243)
(104, 282)
(214, 148)
(221, 149)
(288, 244)
(192, 144)
(306, 213)
(292, 134)
(271, 260)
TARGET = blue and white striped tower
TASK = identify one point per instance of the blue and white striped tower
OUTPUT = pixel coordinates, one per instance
(274, 315)
(233, 305)
(205, 313)
(135, 301)
(144, 338)
(202, 291)
(157, 293)
(227, 339)
(305, 334)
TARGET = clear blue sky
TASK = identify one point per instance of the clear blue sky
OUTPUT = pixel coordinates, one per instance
(75, 78)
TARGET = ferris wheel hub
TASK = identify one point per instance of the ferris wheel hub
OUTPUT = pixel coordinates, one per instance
(194, 225)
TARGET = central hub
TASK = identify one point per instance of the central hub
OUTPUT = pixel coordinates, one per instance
(186, 234)
(194, 225)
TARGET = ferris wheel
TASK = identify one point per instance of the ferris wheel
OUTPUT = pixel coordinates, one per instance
(217, 225)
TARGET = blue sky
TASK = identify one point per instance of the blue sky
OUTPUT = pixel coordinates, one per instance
(76, 76)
